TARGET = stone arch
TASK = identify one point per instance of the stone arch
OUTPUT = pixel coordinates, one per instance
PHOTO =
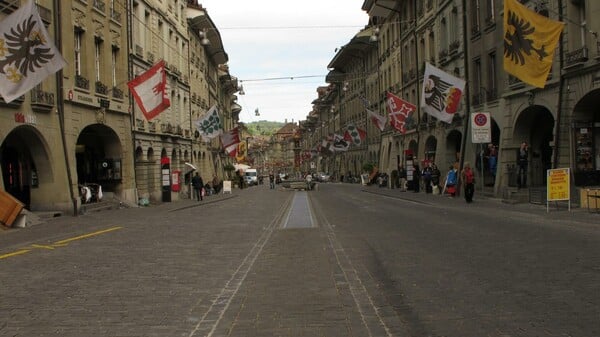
(25, 159)
(535, 125)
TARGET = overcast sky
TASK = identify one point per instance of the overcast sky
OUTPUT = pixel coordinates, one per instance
(276, 38)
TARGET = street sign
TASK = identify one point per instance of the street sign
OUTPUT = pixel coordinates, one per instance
(480, 127)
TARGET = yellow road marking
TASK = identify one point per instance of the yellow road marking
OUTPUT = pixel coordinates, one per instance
(42, 246)
(14, 254)
(61, 243)
(85, 236)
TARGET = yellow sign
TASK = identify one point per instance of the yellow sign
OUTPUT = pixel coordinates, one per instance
(558, 184)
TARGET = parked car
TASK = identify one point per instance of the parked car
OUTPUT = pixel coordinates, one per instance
(322, 177)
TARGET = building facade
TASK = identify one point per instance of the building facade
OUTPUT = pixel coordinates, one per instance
(465, 38)
(82, 127)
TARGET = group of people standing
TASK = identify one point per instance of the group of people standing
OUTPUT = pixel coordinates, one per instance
(430, 178)
(200, 189)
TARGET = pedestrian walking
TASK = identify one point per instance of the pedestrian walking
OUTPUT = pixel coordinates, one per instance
(271, 180)
(402, 177)
(197, 184)
(522, 163)
(493, 160)
(435, 179)
(427, 178)
(468, 179)
(416, 178)
(451, 181)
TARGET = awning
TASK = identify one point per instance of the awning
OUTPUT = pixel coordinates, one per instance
(189, 168)
(242, 167)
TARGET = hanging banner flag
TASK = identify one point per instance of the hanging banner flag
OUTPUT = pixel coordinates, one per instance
(354, 134)
(150, 91)
(400, 111)
(27, 54)
(230, 141)
(339, 144)
(242, 151)
(210, 126)
(377, 119)
(441, 93)
(530, 40)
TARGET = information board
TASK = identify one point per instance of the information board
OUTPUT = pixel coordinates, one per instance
(558, 185)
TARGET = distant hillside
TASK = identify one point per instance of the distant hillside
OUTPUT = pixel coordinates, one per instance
(264, 128)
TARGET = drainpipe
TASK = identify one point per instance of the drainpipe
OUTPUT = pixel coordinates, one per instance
(131, 102)
(60, 103)
(467, 98)
(561, 88)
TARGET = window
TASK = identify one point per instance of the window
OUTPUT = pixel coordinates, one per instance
(475, 17)
(431, 47)
(492, 75)
(98, 54)
(582, 19)
(114, 65)
(490, 16)
(77, 49)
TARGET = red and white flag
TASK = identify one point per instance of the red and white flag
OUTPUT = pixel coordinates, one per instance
(377, 119)
(230, 141)
(399, 110)
(150, 91)
(27, 54)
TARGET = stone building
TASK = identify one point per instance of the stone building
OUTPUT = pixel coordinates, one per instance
(465, 38)
(82, 128)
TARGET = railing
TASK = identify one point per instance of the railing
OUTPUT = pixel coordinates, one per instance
(82, 82)
(117, 93)
(140, 124)
(101, 88)
(42, 100)
(576, 56)
(453, 47)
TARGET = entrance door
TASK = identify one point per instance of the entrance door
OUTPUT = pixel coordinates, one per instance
(16, 175)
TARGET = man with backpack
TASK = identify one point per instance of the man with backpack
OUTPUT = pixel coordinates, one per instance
(468, 178)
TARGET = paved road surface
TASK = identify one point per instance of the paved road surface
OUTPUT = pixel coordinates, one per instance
(342, 261)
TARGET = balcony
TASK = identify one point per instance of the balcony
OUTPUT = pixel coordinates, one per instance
(576, 57)
(82, 82)
(140, 124)
(41, 101)
(139, 50)
(453, 47)
(17, 102)
(117, 93)
(101, 88)
(443, 55)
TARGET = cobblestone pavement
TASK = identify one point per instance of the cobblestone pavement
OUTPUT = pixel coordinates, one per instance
(371, 264)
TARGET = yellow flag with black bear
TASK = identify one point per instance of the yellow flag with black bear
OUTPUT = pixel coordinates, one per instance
(529, 43)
